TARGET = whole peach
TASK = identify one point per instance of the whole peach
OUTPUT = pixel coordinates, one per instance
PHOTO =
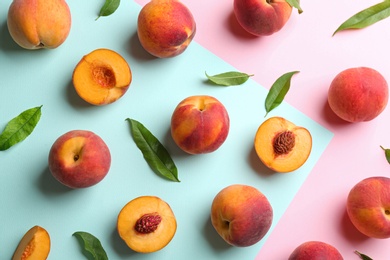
(79, 159)
(241, 215)
(35, 24)
(262, 17)
(368, 206)
(315, 250)
(200, 124)
(165, 28)
(358, 94)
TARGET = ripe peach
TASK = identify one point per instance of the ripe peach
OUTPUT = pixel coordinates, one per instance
(281, 145)
(241, 215)
(35, 244)
(262, 17)
(200, 124)
(39, 23)
(165, 27)
(358, 94)
(368, 207)
(102, 77)
(147, 224)
(79, 159)
(315, 250)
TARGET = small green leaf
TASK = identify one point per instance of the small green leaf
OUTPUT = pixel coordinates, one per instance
(153, 151)
(19, 128)
(278, 91)
(387, 153)
(92, 248)
(109, 8)
(295, 3)
(366, 17)
(229, 78)
(363, 256)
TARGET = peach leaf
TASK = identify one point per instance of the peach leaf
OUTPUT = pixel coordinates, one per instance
(19, 128)
(363, 256)
(92, 248)
(366, 17)
(108, 8)
(278, 91)
(295, 3)
(154, 152)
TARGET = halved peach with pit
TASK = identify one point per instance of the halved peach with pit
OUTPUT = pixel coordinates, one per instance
(146, 224)
(35, 245)
(102, 77)
(281, 145)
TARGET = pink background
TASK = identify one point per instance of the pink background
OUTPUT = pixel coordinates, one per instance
(306, 44)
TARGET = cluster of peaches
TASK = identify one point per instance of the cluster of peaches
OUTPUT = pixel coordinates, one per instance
(241, 214)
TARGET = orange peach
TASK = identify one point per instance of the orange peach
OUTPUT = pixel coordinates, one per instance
(102, 77)
(200, 124)
(35, 244)
(39, 23)
(79, 159)
(241, 215)
(281, 145)
(358, 94)
(315, 250)
(165, 28)
(262, 17)
(368, 207)
(146, 224)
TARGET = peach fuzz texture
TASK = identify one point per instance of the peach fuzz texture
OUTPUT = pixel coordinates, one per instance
(315, 250)
(368, 207)
(93, 163)
(200, 124)
(358, 94)
(165, 28)
(248, 212)
(39, 23)
(306, 43)
(262, 17)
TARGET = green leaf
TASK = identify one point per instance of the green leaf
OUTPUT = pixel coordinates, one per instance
(92, 248)
(367, 17)
(387, 153)
(19, 128)
(109, 8)
(363, 256)
(229, 78)
(153, 151)
(295, 3)
(278, 91)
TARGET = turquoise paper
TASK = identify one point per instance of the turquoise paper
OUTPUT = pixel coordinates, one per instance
(30, 196)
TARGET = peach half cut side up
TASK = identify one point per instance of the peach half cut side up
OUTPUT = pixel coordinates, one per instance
(102, 77)
(281, 145)
(35, 244)
(146, 224)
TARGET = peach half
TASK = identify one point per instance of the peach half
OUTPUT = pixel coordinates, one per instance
(34, 245)
(146, 224)
(102, 77)
(281, 145)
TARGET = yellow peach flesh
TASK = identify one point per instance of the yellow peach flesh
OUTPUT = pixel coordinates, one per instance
(35, 245)
(264, 145)
(102, 77)
(149, 242)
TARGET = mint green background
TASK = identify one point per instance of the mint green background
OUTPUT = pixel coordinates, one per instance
(30, 196)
